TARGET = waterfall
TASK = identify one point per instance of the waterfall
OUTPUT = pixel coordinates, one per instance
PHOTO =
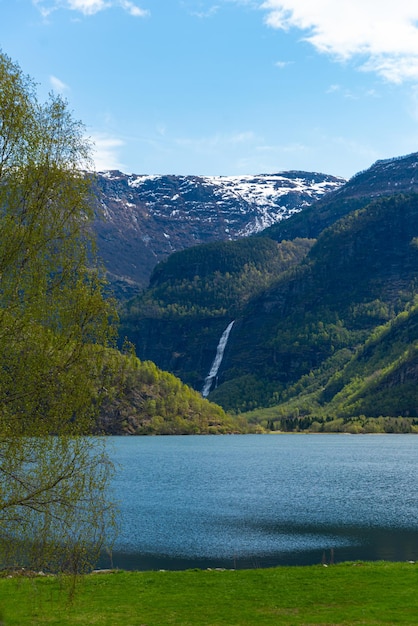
(217, 361)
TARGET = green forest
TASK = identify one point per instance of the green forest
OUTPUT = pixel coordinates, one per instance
(324, 335)
(144, 400)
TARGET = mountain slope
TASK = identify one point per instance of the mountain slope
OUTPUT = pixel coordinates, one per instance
(373, 389)
(143, 219)
(143, 400)
(303, 311)
(384, 178)
(193, 296)
(362, 271)
(296, 306)
(381, 378)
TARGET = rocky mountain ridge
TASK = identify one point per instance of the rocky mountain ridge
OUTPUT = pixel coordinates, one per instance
(385, 177)
(142, 219)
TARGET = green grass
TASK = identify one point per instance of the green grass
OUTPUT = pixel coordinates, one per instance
(349, 593)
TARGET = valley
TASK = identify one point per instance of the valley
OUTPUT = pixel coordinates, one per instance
(310, 296)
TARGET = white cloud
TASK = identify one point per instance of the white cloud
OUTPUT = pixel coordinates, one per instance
(384, 34)
(197, 8)
(57, 85)
(217, 142)
(106, 152)
(204, 14)
(88, 7)
(282, 64)
(133, 9)
(350, 94)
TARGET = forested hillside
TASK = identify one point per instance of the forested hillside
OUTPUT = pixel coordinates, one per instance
(360, 274)
(305, 320)
(371, 389)
(143, 400)
(194, 294)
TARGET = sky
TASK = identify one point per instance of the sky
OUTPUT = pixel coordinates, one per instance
(227, 87)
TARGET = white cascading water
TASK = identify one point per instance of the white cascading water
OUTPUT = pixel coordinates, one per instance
(217, 361)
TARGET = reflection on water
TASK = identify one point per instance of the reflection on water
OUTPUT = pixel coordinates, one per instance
(259, 501)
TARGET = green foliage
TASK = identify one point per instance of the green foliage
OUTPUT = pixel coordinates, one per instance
(144, 400)
(213, 280)
(243, 393)
(55, 329)
(228, 257)
(373, 389)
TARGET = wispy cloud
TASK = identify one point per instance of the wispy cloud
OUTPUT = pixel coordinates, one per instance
(282, 64)
(342, 91)
(106, 152)
(58, 85)
(88, 7)
(197, 8)
(349, 94)
(382, 37)
(216, 141)
(133, 9)
(204, 14)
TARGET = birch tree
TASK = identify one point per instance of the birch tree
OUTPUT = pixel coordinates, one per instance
(55, 326)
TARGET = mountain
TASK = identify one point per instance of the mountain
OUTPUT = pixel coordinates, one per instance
(303, 309)
(361, 273)
(384, 178)
(141, 220)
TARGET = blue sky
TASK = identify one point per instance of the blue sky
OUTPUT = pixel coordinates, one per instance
(227, 87)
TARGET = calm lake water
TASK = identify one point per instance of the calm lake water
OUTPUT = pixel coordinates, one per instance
(264, 500)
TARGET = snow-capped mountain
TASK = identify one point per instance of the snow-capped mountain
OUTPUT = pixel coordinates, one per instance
(142, 219)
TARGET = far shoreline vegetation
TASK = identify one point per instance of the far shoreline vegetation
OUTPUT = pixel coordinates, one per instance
(353, 425)
(143, 400)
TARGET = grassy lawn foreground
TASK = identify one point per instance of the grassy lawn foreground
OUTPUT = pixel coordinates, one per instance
(349, 593)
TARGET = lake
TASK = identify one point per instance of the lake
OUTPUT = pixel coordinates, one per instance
(264, 500)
